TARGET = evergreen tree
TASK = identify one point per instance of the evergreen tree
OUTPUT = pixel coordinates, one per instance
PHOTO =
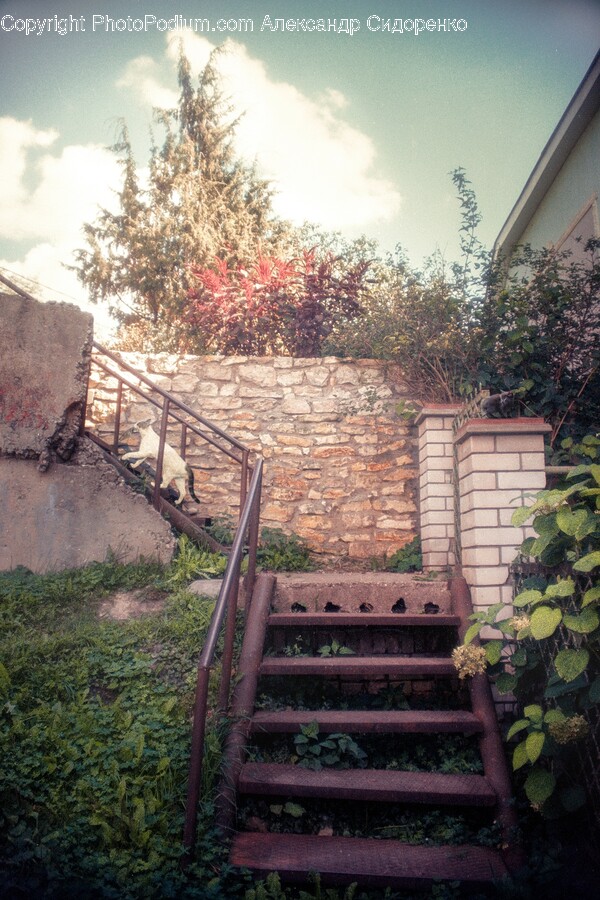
(200, 203)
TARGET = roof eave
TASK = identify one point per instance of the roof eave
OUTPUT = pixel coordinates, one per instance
(574, 121)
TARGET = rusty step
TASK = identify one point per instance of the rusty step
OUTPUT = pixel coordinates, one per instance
(368, 722)
(380, 785)
(376, 863)
(361, 620)
(361, 666)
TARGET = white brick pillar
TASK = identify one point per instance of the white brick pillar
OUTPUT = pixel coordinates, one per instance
(499, 462)
(436, 485)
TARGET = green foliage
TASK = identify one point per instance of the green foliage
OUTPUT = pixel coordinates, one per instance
(192, 562)
(280, 552)
(338, 750)
(541, 335)
(200, 202)
(335, 649)
(271, 889)
(407, 558)
(94, 738)
(427, 321)
(222, 530)
(557, 618)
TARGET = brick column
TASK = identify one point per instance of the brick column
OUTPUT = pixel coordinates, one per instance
(436, 489)
(499, 462)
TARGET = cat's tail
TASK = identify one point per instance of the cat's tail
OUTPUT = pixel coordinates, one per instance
(190, 475)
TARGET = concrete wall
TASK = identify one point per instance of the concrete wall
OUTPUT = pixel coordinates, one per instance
(74, 514)
(45, 350)
(340, 464)
(62, 504)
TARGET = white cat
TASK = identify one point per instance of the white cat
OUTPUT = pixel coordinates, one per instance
(175, 467)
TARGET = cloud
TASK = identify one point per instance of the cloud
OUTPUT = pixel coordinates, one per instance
(323, 168)
(141, 74)
(48, 195)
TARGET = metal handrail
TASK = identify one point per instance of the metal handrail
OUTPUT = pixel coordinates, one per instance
(171, 408)
(225, 609)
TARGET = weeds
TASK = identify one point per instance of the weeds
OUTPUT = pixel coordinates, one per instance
(278, 552)
(94, 737)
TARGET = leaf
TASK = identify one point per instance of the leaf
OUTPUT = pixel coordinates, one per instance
(506, 683)
(585, 623)
(571, 663)
(471, 632)
(558, 688)
(534, 712)
(570, 521)
(588, 562)
(544, 621)
(534, 744)
(276, 809)
(539, 785)
(520, 516)
(591, 595)
(563, 588)
(294, 809)
(552, 716)
(520, 757)
(595, 472)
(516, 727)
(493, 651)
(527, 598)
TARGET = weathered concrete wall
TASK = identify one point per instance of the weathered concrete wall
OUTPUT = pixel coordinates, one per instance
(61, 504)
(339, 462)
(75, 514)
(45, 350)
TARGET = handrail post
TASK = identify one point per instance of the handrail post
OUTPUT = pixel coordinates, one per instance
(118, 417)
(183, 446)
(197, 757)
(244, 479)
(161, 453)
(252, 548)
(229, 639)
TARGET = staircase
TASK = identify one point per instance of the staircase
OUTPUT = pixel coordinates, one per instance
(403, 655)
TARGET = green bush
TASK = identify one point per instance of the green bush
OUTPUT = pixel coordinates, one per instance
(549, 651)
(94, 739)
(280, 552)
(408, 558)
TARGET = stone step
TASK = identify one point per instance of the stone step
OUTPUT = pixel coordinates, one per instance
(367, 722)
(380, 785)
(359, 666)
(371, 863)
(362, 620)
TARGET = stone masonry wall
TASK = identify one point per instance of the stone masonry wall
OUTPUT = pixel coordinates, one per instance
(340, 464)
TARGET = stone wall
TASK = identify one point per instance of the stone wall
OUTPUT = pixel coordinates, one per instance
(340, 464)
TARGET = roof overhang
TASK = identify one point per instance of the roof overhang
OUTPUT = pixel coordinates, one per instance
(573, 123)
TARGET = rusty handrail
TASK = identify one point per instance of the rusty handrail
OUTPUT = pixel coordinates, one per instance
(170, 409)
(224, 611)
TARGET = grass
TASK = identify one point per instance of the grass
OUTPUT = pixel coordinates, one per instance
(94, 738)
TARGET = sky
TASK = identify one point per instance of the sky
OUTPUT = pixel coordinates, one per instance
(358, 132)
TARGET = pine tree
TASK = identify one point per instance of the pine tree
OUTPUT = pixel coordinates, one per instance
(200, 203)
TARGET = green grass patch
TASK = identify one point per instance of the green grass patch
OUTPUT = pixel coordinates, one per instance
(95, 737)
